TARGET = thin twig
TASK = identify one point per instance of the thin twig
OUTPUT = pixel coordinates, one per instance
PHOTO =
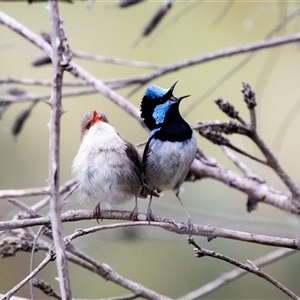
(276, 166)
(23, 207)
(250, 267)
(46, 260)
(115, 60)
(65, 188)
(45, 97)
(241, 165)
(238, 150)
(109, 274)
(24, 192)
(76, 70)
(32, 259)
(37, 82)
(242, 63)
(228, 52)
(236, 273)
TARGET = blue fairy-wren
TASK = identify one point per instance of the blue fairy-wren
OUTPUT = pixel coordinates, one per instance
(171, 146)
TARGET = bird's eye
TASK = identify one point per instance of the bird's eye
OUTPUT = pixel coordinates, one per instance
(88, 126)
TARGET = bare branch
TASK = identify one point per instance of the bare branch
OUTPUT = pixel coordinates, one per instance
(175, 226)
(241, 165)
(73, 68)
(168, 68)
(275, 165)
(46, 288)
(40, 97)
(46, 260)
(115, 60)
(24, 192)
(23, 207)
(34, 247)
(58, 42)
(257, 190)
(109, 274)
(250, 267)
(37, 82)
(234, 274)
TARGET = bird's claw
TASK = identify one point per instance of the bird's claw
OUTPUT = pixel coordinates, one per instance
(150, 216)
(97, 213)
(134, 214)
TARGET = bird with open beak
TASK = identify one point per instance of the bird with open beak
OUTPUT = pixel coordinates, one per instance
(107, 167)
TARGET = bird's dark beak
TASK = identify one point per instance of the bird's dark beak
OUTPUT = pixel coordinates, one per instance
(182, 97)
(172, 88)
(171, 96)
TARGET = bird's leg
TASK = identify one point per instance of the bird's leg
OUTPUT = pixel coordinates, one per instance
(135, 211)
(149, 210)
(190, 220)
(97, 212)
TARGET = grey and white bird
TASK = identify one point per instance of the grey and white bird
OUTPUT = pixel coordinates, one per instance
(171, 146)
(107, 167)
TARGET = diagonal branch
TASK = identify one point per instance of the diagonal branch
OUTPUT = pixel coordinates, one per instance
(46, 260)
(73, 68)
(249, 267)
(236, 273)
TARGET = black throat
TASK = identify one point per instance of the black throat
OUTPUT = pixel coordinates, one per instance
(174, 128)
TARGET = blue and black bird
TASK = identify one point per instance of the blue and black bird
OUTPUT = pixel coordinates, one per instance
(171, 147)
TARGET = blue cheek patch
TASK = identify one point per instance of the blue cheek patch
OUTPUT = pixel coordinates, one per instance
(159, 112)
(153, 131)
(154, 91)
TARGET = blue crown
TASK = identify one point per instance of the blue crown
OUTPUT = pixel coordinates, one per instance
(154, 91)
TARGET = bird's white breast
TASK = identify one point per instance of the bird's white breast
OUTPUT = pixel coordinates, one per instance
(100, 161)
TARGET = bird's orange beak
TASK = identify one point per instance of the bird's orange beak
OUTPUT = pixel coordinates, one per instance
(96, 117)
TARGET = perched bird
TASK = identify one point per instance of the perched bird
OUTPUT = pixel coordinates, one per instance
(171, 147)
(107, 168)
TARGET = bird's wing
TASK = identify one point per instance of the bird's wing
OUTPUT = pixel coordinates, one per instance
(146, 153)
(135, 158)
(136, 161)
(147, 189)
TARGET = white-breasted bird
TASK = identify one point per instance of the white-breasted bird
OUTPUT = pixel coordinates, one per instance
(107, 167)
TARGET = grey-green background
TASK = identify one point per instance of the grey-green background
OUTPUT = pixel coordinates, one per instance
(160, 260)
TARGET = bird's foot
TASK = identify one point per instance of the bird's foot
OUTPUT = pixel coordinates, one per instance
(190, 227)
(134, 214)
(97, 213)
(150, 216)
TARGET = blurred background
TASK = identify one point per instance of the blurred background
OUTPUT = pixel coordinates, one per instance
(160, 260)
